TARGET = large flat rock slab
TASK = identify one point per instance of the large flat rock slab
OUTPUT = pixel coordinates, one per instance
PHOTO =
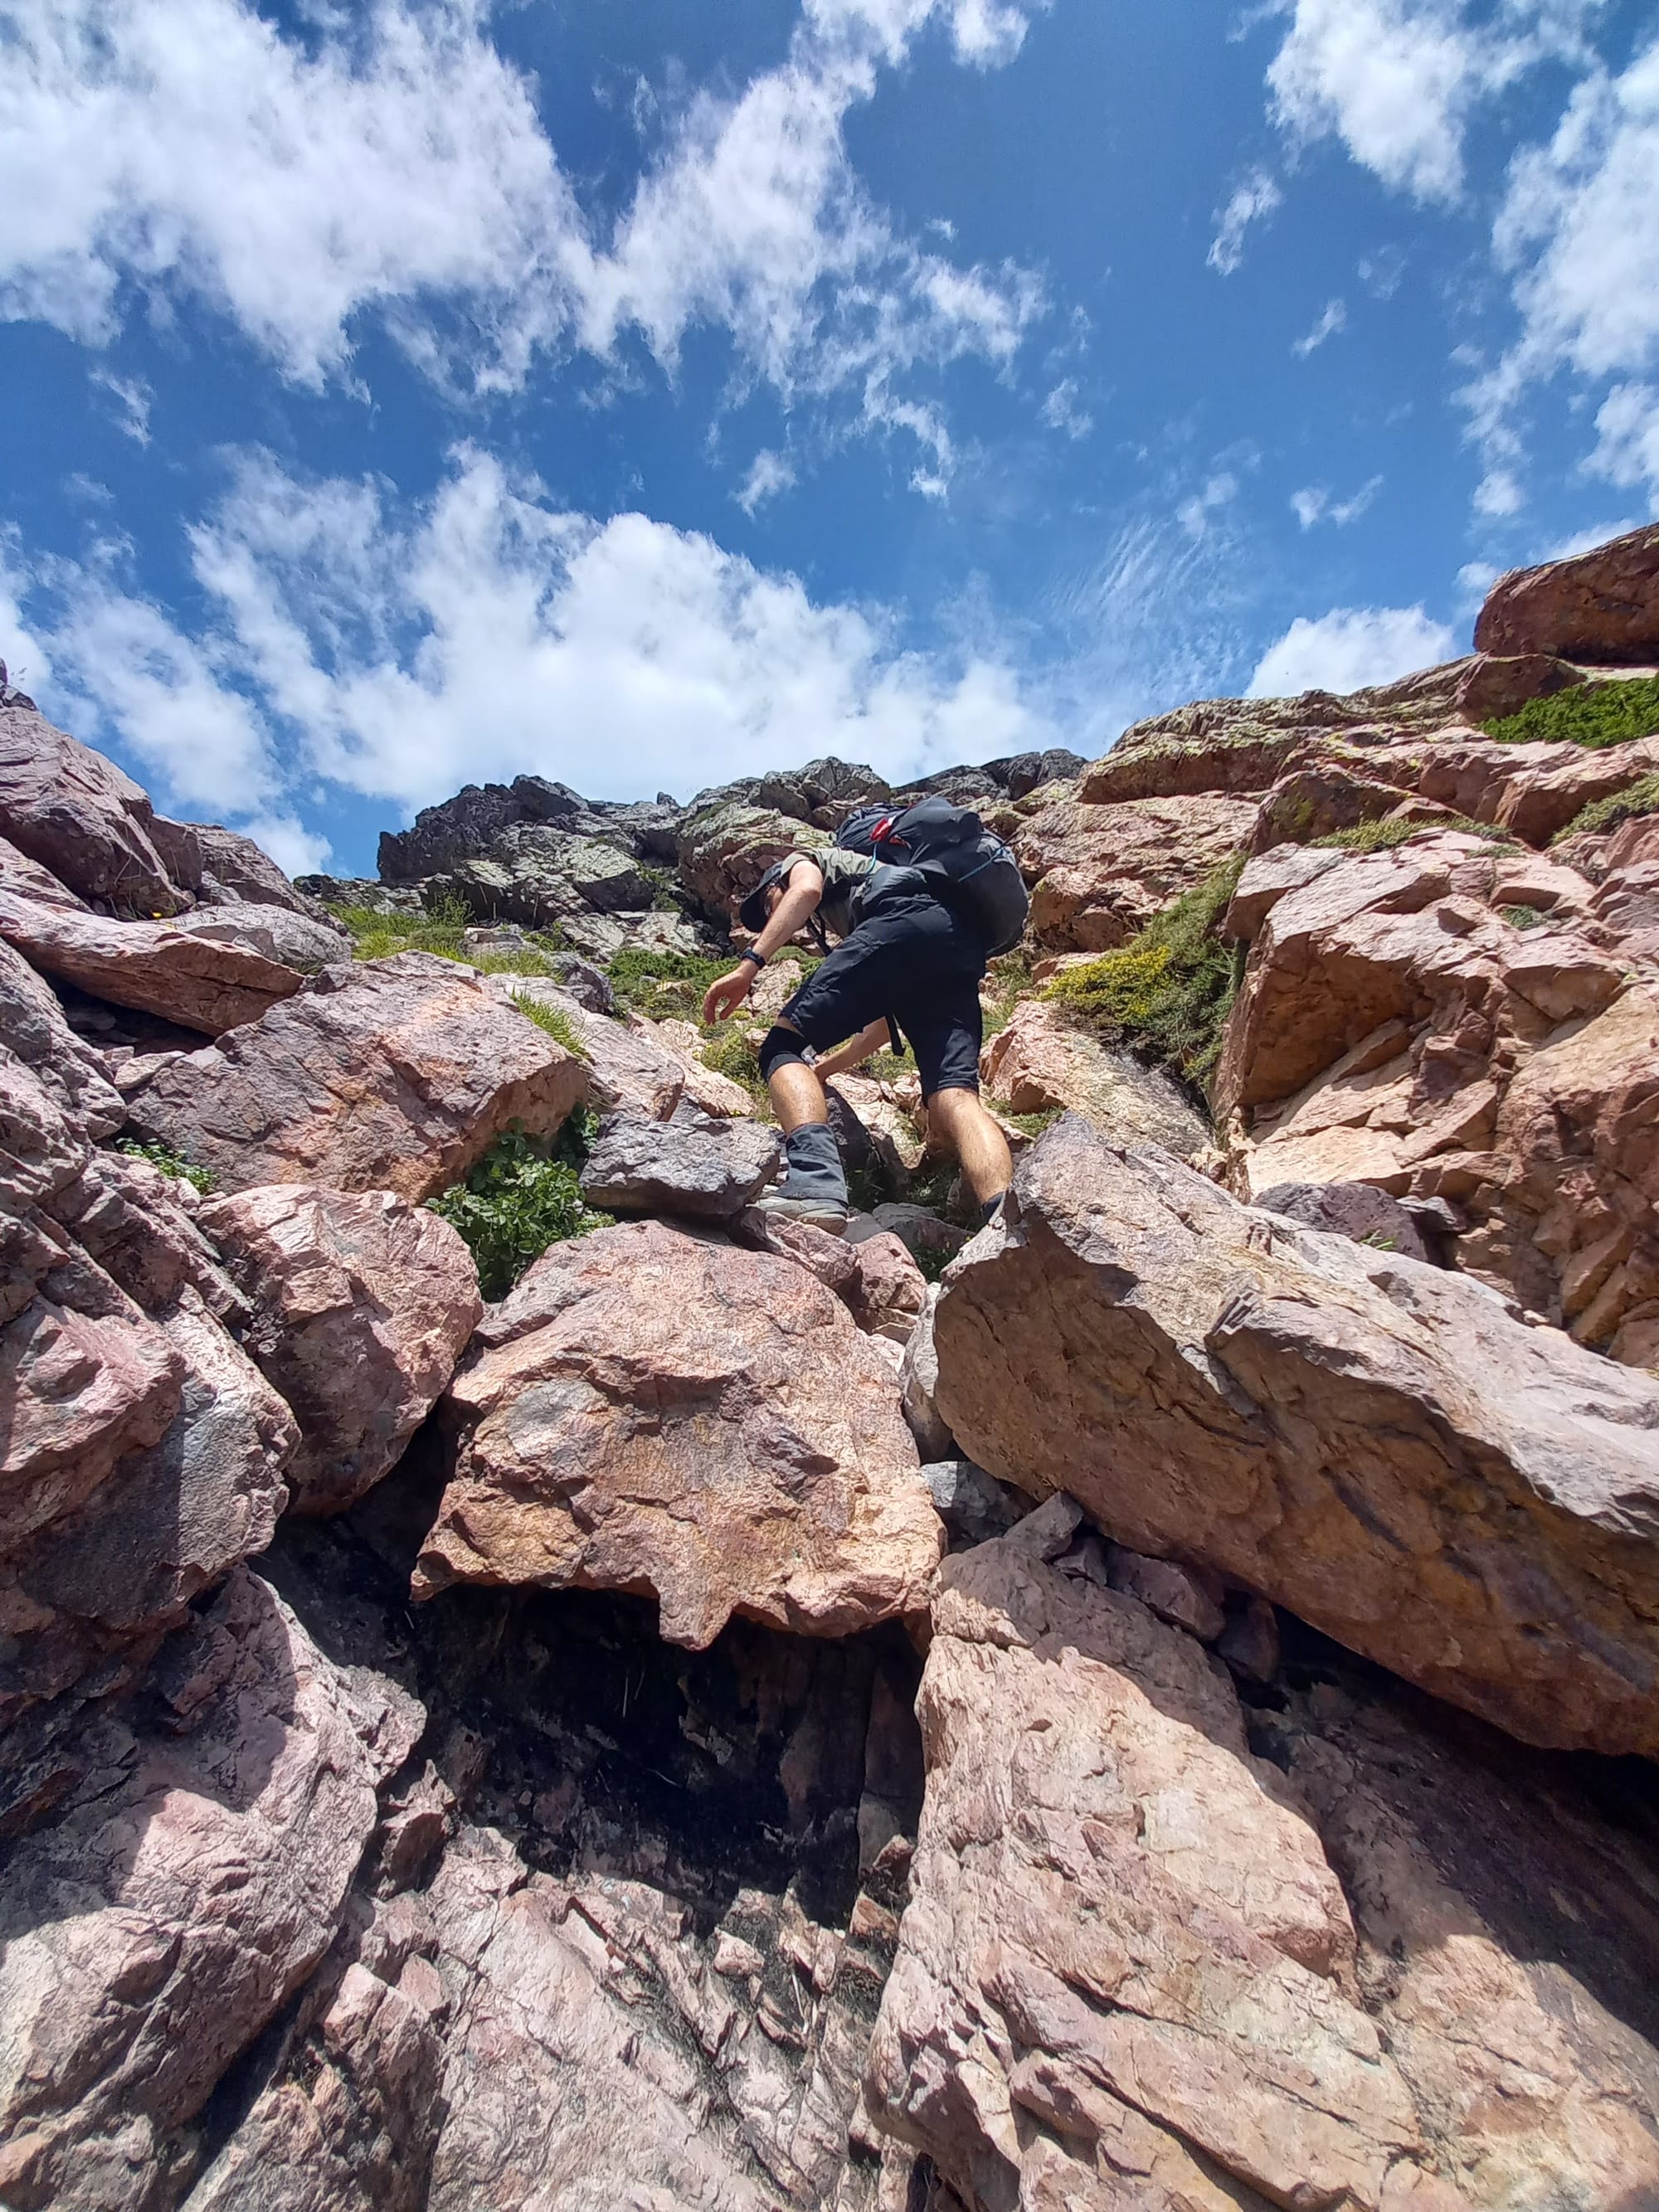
(210, 982)
(392, 1075)
(1141, 1967)
(1370, 1440)
(650, 1411)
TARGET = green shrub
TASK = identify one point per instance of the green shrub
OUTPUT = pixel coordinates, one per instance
(1522, 917)
(1170, 990)
(517, 1201)
(1592, 714)
(1641, 796)
(553, 1020)
(170, 1162)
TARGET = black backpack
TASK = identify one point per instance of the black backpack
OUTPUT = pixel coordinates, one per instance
(965, 866)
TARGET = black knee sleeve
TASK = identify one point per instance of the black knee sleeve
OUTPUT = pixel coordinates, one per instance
(778, 1047)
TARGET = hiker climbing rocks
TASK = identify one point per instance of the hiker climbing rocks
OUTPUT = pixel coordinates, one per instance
(920, 902)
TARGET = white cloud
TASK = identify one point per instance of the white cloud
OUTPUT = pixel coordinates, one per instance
(399, 653)
(195, 150)
(1315, 504)
(133, 398)
(1193, 514)
(769, 474)
(1578, 226)
(1061, 410)
(1252, 200)
(1333, 318)
(1349, 648)
(1586, 541)
(1498, 494)
(1397, 80)
(1627, 447)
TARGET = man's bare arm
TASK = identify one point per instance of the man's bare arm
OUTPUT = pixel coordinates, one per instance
(798, 902)
(856, 1050)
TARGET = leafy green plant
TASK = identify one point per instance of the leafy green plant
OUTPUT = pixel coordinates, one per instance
(553, 1020)
(1591, 715)
(730, 1052)
(1522, 917)
(1169, 990)
(517, 1201)
(1639, 798)
(169, 1162)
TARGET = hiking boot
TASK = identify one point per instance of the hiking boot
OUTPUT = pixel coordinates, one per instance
(785, 1205)
(814, 1188)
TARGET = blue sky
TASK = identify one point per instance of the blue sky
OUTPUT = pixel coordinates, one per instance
(645, 394)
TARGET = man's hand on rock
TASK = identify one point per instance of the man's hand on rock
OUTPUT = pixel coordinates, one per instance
(725, 996)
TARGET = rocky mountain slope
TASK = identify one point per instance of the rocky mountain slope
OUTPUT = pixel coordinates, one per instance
(526, 1684)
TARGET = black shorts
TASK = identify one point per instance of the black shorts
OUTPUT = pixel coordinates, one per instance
(917, 967)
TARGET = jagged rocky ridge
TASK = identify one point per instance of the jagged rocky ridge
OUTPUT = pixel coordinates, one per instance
(1162, 1720)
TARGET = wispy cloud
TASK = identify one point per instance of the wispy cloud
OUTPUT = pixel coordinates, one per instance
(133, 398)
(769, 473)
(1253, 199)
(1315, 503)
(1333, 318)
(1061, 410)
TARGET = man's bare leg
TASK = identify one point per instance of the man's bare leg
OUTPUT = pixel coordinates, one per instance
(957, 1120)
(814, 1188)
(797, 1095)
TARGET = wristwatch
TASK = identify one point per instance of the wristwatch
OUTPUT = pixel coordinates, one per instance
(750, 953)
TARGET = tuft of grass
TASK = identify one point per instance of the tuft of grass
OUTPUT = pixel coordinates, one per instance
(1639, 798)
(1033, 1124)
(554, 1021)
(1522, 917)
(440, 929)
(518, 1200)
(1009, 979)
(1169, 990)
(663, 986)
(1590, 714)
(729, 1052)
(169, 1162)
(1383, 835)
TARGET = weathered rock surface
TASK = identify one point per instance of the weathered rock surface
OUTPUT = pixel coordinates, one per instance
(284, 934)
(22, 878)
(177, 1904)
(1039, 1062)
(1129, 1974)
(1599, 606)
(1420, 1020)
(886, 1290)
(85, 1599)
(360, 1305)
(727, 848)
(1359, 1210)
(1371, 1442)
(625, 1067)
(222, 867)
(696, 1165)
(650, 1411)
(69, 1072)
(192, 979)
(704, 1085)
(79, 816)
(385, 1075)
(1100, 872)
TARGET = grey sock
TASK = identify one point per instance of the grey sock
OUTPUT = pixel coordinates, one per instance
(992, 1208)
(815, 1167)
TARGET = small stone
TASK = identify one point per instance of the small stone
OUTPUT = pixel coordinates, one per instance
(1172, 1591)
